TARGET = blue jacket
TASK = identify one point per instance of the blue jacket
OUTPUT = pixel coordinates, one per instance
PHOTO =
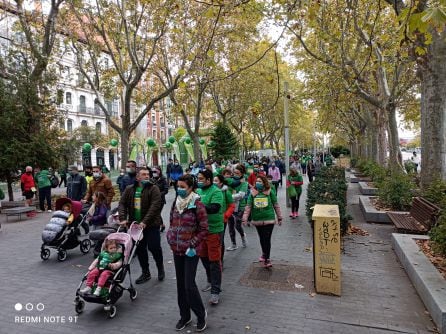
(176, 172)
(126, 181)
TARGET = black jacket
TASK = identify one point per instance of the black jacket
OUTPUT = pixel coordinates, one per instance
(162, 186)
(151, 205)
(76, 187)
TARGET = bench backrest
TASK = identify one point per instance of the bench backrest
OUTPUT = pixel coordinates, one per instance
(424, 212)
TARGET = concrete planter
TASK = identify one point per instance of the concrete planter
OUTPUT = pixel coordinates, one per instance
(367, 190)
(428, 282)
(371, 215)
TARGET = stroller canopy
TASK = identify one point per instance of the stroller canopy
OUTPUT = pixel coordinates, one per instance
(76, 206)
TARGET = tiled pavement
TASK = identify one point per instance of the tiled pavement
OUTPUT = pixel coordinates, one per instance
(377, 296)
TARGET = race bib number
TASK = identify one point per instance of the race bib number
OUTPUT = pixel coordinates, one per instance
(260, 203)
(137, 203)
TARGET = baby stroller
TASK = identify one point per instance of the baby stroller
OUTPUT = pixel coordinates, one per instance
(114, 288)
(98, 236)
(60, 235)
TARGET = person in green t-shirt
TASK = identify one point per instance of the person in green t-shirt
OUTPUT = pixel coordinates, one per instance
(239, 195)
(263, 207)
(212, 198)
(44, 184)
(228, 207)
(294, 190)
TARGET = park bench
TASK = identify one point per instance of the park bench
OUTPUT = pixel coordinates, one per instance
(18, 211)
(422, 216)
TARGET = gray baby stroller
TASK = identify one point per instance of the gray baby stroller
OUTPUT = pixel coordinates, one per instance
(62, 234)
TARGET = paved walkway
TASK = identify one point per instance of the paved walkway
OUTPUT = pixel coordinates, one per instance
(377, 296)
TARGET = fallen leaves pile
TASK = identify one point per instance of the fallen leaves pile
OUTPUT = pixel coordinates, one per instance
(437, 260)
(354, 230)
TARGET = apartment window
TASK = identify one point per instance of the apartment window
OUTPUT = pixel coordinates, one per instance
(68, 98)
(59, 99)
(69, 126)
(84, 123)
(99, 127)
(154, 134)
(153, 119)
(82, 104)
(162, 135)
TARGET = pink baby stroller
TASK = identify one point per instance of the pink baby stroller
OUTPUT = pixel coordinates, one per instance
(114, 287)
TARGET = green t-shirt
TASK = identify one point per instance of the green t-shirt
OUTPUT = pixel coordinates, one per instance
(213, 195)
(105, 258)
(262, 206)
(242, 187)
(297, 178)
(43, 179)
(137, 203)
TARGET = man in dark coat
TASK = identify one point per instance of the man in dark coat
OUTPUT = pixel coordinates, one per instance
(76, 184)
(142, 202)
(130, 177)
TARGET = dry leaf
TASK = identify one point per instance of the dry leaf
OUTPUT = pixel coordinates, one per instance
(312, 294)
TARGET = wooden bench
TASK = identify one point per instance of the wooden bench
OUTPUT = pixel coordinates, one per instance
(18, 211)
(422, 216)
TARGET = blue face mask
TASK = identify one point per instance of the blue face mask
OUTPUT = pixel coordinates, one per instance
(200, 184)
(182, 192)
(236, 177)
(259, 186)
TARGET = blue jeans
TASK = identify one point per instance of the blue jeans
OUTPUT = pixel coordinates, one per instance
(45, 193)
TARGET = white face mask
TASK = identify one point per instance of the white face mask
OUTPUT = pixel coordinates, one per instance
(155, 175)
(97, 175)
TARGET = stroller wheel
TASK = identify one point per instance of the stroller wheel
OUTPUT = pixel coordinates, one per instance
(45, 254)
(85, 246)
(133, 293)
(79, 307)
(62, 255)
(112, 311)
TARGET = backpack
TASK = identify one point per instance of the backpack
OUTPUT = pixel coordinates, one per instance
(54, 181)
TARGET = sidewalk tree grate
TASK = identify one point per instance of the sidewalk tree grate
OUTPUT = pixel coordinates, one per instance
(281, 277)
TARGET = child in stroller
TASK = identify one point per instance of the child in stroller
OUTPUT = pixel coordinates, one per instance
(113, 287)
(63, 230)
(109, 260)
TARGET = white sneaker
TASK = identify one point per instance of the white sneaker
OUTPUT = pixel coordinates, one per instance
(87, 289)
(244, 242)
(232, 248)
(50, 211)
(97, 292)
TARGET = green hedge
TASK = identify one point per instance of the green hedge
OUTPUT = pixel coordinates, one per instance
(329, 187)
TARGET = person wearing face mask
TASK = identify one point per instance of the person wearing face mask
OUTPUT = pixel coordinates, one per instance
(263, 207)
(76, 184)
(119, 179)
(228, 207)
(100, 183)
(274, 171)
(240, 193)
(212, 198)
(88, 175)
(160, 181)
(130, 177)
(175, 173)
(186, 235)
(258, 170)
(28, 185)
(142, 203)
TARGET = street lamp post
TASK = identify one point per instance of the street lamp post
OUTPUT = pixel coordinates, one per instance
(287, 136)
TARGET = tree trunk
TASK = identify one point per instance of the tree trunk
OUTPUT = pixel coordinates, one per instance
(197, 152)
(125, 136)
(381, 137)
(433, 111)
(9, 181)
(395, 157)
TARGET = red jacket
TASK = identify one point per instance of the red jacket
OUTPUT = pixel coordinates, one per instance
(253, 177)
(27, 182)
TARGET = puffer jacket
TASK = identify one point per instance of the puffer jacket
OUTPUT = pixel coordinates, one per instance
(104, 185)
(151, 205)
(187, 229)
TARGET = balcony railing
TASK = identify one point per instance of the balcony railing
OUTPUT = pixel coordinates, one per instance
(66, 106)
(85, 110)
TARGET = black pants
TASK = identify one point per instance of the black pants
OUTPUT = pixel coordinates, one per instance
(276, 184)
(222, 241)
(64, 180)
(213, 274)
(265, 232)
(152, 242)
(235, 222)
(45, 193)
(188, 295)
(304, 168)
(295, 203)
